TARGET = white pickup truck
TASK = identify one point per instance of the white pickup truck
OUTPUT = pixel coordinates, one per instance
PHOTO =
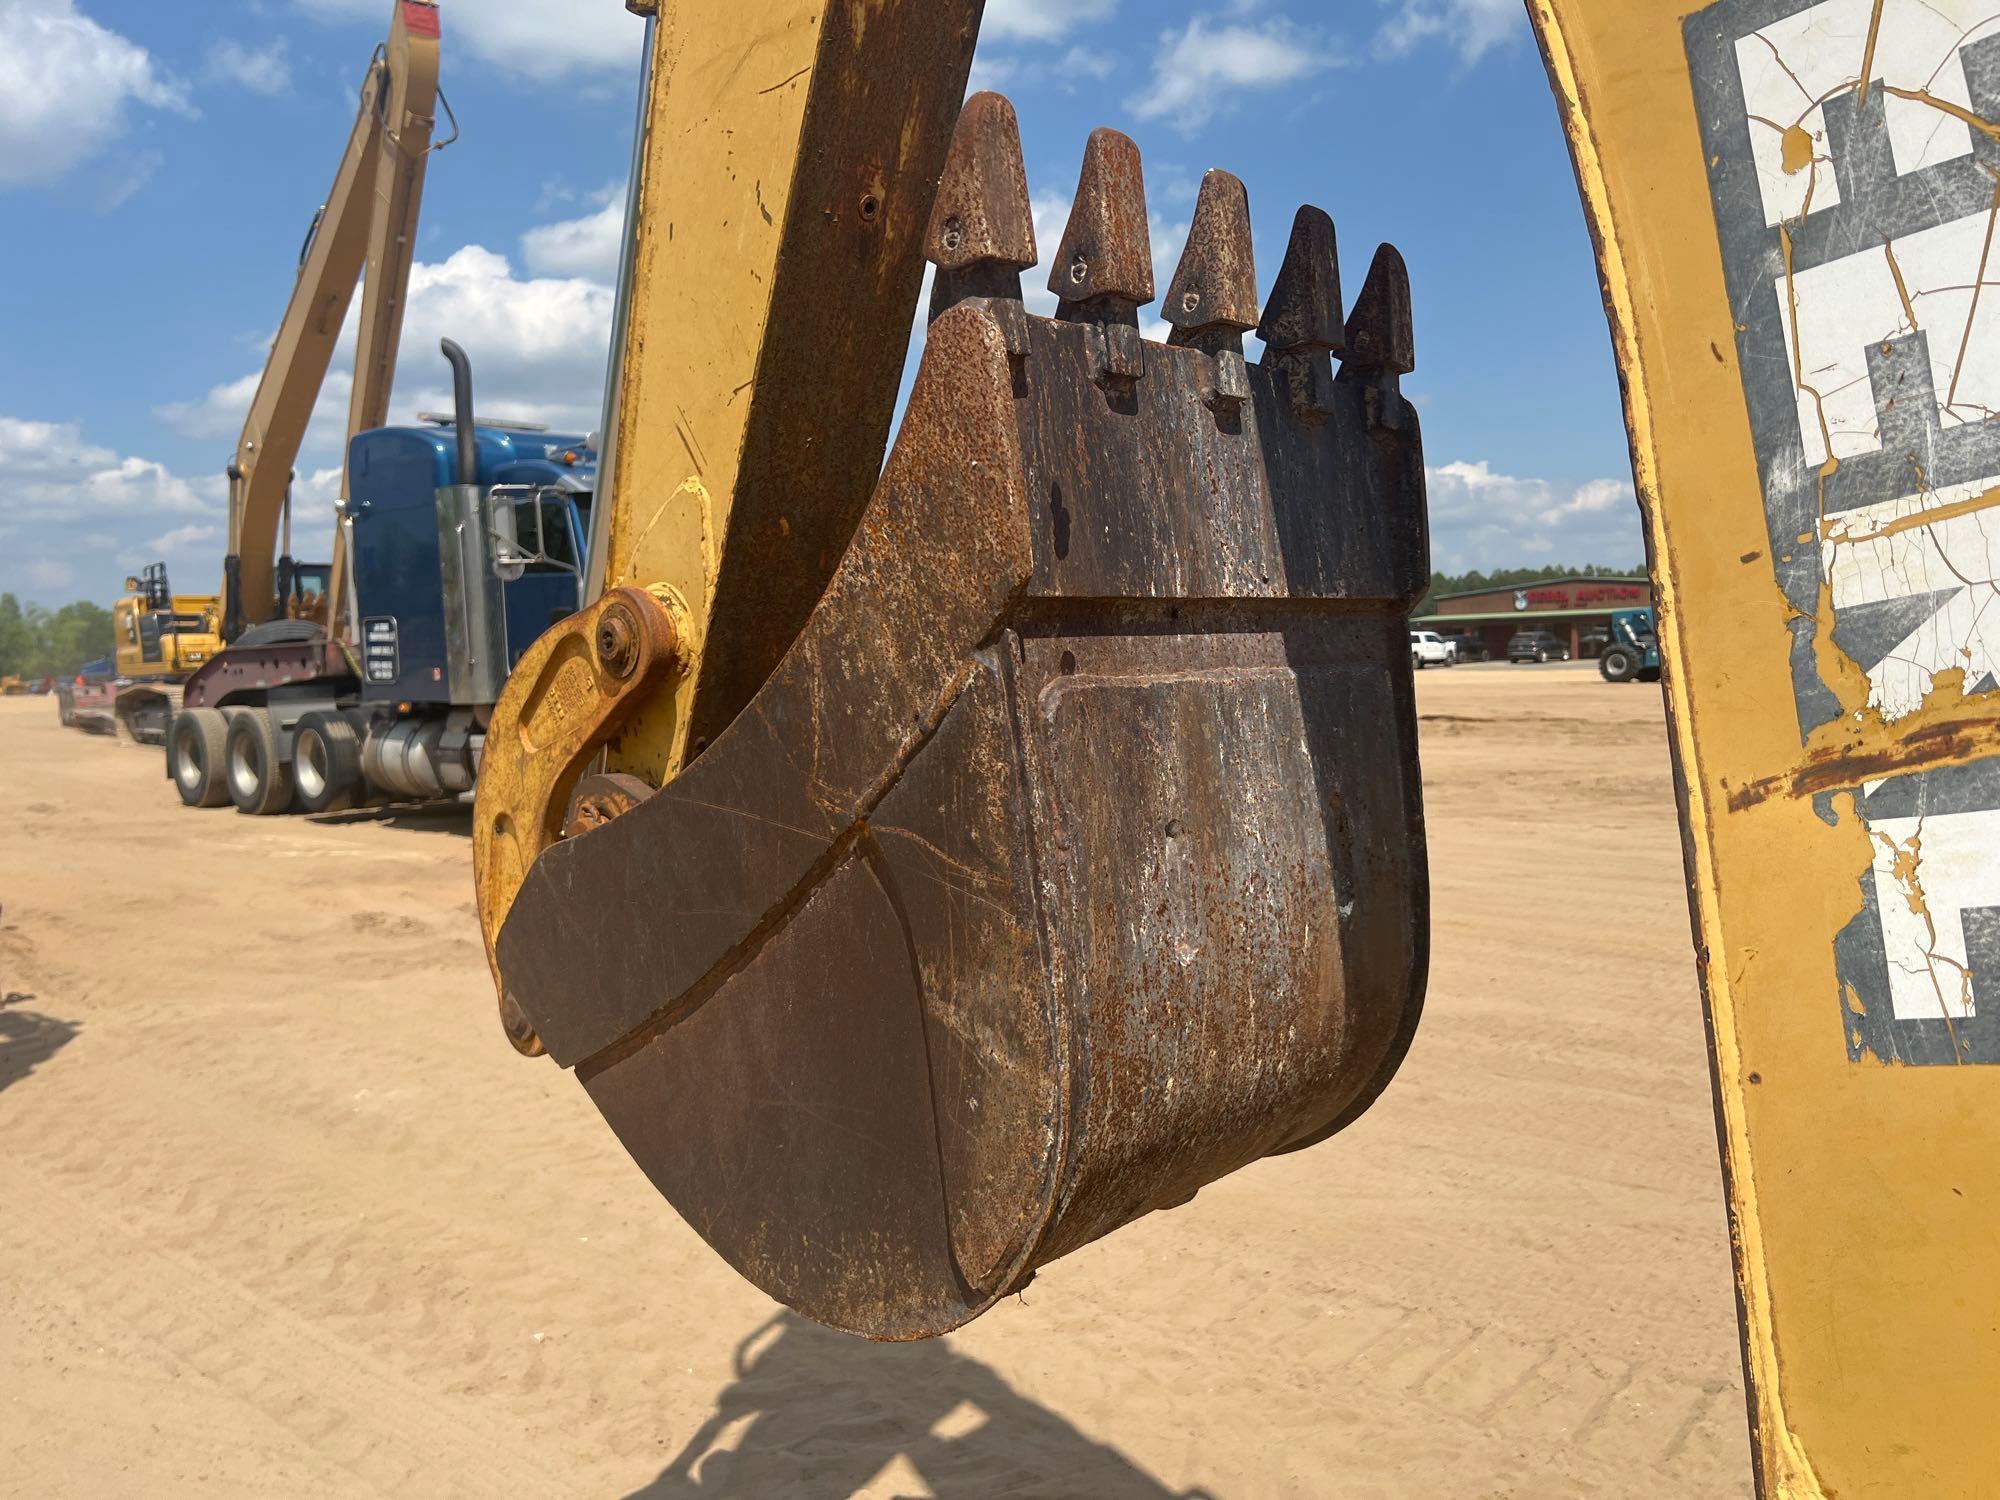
(1429, 649)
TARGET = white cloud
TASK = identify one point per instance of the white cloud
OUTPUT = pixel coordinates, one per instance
(1081, 63)
(54, 475)
(1041, 20)
(192, 551)
(538, 347)
(1471, 27)
(65, 84)
(262, 70)
(1199, 66)
(539, 38)
(1480, 519)
(990, 72)
(46, 573)
(587, 247)
(76, 504)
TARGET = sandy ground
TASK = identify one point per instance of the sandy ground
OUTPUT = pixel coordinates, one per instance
(264, 1233)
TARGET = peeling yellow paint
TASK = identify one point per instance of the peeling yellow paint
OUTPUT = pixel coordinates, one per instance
(1797, 148)
(1840, 529)
(1865, 1374)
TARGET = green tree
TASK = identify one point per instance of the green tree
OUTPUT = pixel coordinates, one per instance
(15, 642)
(1502, 578)
(35, 642)
(75, 634)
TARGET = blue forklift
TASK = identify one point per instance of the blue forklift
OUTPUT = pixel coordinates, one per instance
(1633, 653)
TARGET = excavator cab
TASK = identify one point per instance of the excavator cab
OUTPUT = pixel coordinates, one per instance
(1072, 857)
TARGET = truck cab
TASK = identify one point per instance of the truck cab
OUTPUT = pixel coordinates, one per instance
(465, 546)
(452, 586)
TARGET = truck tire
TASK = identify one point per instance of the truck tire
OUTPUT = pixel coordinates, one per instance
(198, 756)
(326, 764)
(1618, 664)
(260, 784)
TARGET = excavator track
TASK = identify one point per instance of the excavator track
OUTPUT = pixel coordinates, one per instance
(1073, 856)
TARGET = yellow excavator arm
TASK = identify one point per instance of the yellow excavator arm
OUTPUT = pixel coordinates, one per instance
(1794, 202)
(368, 223)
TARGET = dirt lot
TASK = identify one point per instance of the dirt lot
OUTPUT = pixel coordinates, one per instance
(261, 1233)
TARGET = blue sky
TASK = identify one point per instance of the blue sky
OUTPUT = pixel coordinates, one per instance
(159, 165)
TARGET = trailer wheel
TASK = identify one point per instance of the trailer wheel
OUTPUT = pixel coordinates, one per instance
(326, 763)
(259, 783)
(1617, 664)
(198, 756)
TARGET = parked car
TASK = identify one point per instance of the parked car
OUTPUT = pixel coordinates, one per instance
(1537, 646)
(1467, 647)
(1429, 649)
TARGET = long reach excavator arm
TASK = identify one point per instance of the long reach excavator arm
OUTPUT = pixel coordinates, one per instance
(368, 223)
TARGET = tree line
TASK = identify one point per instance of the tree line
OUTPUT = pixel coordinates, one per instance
(1509, 578)
(37, 642)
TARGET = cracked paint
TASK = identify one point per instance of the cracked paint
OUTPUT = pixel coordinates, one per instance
(1855, 163)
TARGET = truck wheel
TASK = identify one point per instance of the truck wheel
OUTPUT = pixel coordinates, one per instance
(259, 783)
(198, 755)
(326, 763)
(1541, 658)
(1617, 664)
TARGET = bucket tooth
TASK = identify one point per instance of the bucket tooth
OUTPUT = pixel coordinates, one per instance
(1305, 308)
(1103, 274)
(1379, 333)
(982, 232)
(1213, 300)
(1107, 250)
(1381, 349)
(1302, 322)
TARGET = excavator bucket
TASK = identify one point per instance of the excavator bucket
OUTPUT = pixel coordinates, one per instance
(1073, 857)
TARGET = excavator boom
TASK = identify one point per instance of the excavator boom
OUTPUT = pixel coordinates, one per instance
(368, 222)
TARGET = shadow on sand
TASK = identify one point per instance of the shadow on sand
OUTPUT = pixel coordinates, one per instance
(815, 1415)
(27, 1040)
(453, 818)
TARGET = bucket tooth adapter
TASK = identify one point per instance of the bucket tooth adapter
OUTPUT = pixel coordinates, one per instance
(1073, 857)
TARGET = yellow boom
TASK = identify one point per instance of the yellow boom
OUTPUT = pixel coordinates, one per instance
(369, 221)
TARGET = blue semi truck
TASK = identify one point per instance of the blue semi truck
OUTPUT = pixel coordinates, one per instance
(467, 541)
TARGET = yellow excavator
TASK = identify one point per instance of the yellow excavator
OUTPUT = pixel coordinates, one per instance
(160, 639)
(930, 864)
